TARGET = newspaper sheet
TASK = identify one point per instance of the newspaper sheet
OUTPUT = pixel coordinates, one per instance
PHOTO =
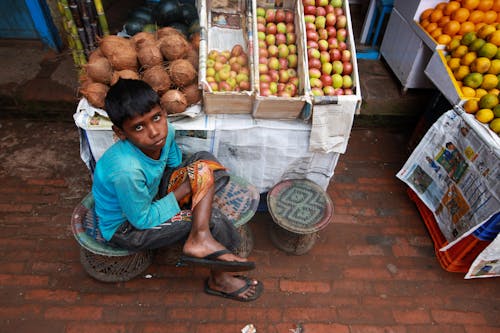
(455, 173)
(487, 263)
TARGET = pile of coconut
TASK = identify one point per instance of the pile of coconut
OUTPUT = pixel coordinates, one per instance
(166, 60)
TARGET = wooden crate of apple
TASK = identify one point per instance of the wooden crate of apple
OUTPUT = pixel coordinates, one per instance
(278, 57)
(228, 70)
(329, 59)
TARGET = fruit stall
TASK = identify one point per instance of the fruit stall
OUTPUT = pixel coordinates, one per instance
(452, 174)
(271, 88)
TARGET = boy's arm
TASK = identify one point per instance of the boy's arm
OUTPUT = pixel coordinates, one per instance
(174, 152)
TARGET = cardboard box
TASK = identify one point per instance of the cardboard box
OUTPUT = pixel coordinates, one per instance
(273, 107)
(337, 101)
(440, 74)
(221, 29)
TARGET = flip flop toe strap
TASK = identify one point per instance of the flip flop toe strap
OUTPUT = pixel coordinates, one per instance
(215, 255)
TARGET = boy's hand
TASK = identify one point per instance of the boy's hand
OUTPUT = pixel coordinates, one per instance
(183, 190)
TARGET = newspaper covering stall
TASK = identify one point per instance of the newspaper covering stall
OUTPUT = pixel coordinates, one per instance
(454, 170)
(487, 263)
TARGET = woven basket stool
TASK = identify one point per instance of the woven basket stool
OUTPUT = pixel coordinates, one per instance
(300, 209)
(238, 201)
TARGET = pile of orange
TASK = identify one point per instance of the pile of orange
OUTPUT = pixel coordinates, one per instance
(458, 17)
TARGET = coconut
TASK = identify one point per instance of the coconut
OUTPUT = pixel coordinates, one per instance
(192, 93)
(181, 72)
(173, 47)
(99, 70)
(167, 32)
(148, 53)
(173, 101)
(119, 51)
(97, 53)
(95, 93)
(143, 36)
(158, 78)
(193, 57)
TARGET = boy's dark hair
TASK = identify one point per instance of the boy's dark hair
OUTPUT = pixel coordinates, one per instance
(128, 98)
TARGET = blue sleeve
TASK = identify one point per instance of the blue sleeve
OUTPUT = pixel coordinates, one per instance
(133, 197)
(174, 158)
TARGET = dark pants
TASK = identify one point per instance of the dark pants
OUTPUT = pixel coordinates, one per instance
(177, 229)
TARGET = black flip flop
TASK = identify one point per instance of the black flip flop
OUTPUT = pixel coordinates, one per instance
(259, 287)
(211, 261)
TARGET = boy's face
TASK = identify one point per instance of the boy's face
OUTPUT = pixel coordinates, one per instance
(147, 132)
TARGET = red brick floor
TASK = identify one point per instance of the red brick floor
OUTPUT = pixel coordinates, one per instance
(373, 269)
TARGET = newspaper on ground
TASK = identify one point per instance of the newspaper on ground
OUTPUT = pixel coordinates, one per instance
(487, 263)
(455, 172)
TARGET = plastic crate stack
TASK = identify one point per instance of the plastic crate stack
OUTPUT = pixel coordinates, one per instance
(460, 256)
(84, 21)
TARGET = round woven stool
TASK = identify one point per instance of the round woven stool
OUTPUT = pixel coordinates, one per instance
(300, 209)
(237, 201)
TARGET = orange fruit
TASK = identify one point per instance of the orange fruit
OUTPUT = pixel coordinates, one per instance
(476, 16)
(490, 17)
(443, 39)
(471, 106)
(485, 5)
(441, 5)
(468, 92)
(470, 4)
(426, 13)
(436, 15)
(485, 30)
(424, 23)
(488, 101)
(485, 115)
(436, 33)
(461, 72)
(494, 37)
(490, 81)
(460, 15)
(479, 26)
(431, 27)
(496, 6)
(480, 65)
(480, 92)
(443, 21)
(468, 58)
(466, 27)
(454, 63)
(451, 7)
(451, 28)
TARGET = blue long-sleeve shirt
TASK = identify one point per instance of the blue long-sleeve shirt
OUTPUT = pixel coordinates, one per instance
(126, 182)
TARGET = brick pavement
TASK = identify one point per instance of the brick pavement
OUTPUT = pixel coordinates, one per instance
(373, 268)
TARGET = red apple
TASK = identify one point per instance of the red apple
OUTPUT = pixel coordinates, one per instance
(261, 27)
(341, 21)
(280, 15)
(322, 45)
(224, 86)
(346, 56)
(284, 94)
(348, 91)
(271, 28)
(324, 56)
(326, 80)
(288, 16)
(264, 85)
(322, 33)
(337, 10)
(263, 69)
(333, 43)
(310, 26)
(290, 27)
(294, 80)
(339, 91)
(342, 46)
(273, 63)
(270, 15)
(274, 75)
(235, 67)
(291, 89)
(329, 9)
(316, 83)
(317, 92)
(314, 63)
(264, 78)
(347, 68)
(312, 44)
(309, 10)
(244, 85)
(265, 92)
(280, 39)
(263, 60)
(284, 76)
(262, 43)
(314, 73)
(283, 63)
(312, 35)
(335, 54)
(272, 50)
(263, 53)
(341, 34)
(331, 19)
(329, 90)
(292, 60)
(320, 11)
(332, 31)
(261, 19)
(281, 87)
(281, 27)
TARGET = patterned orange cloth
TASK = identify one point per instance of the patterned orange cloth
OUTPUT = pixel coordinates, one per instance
(201, 178)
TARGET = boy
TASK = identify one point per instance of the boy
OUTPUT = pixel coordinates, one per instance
(140, 187)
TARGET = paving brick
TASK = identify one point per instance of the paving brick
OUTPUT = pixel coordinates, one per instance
(47, 295)
(74, 312)
(457, 317)
(304, 286)
(23, 280)
(325, 328)
(167, 327)
(79, 327)
(418, 316)
(309, 314)
(376, 329)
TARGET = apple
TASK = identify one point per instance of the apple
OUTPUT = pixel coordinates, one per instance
(261, 35)
(320, 22)
(241, 77)
(346, 56)
(310, 35)
(280, 15)
(337, 81)
(329, 90)
(270, 15)
(214, 86)
(213, 54)
(291, 89)
(313, 53)
(288, 16)
(235, 67)
(323, 45)
(271, 28)
(262, 20)
(341, 21)
(273, 87)
(321, 3)
(232, 82)
(217, 77)
(263, 60)
(290, 27)
(309, 18)
(290, 38)
(329, 9)
(281, 27)
(310, 26)
(336, 3)
(292, 72)
(326, 80)
(262, 43)
(331, 19)
(347, 68)
(271, 39)
(309, 2)
(338, 67)
(272, 50)
(316, 83)
(265, 92)
(264, 78)
(333, 43)
(273, 63)
(274, 75)
(283, 76)
(314, 63)
(335, 54)
(348, 91)
(245, 70)
(264, 85)
(309, 10)
(283, 63)
(226, 54)
(317, 92)
(332, 31)
(314, 73)
(347, 81)
(320, 11)
(283, 51)
(222, 59)
(261, 27)
(312, 44)
(294, 80)
(210, 63)
(244, 85)
(284, 94)
(263, 69)
(339, 91)
(338, 11)
(341, 34)
(322, 34)
(324, 56)
(281, 87)
(233, 74)
(280, 39)
(292, 60)
(218, 66)
(261, 12)
(224, 74)
(342, 46)
(263, 53)
(326, 68)
(292, 48)
(242, 59)
(224, 86)
(210, 71)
